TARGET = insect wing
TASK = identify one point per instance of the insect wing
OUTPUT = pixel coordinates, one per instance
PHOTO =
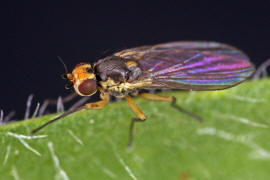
(191, 65)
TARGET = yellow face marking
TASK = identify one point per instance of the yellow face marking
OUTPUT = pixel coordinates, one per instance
(80, 74)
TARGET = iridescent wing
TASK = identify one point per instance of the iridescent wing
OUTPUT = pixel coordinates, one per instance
(190, 65)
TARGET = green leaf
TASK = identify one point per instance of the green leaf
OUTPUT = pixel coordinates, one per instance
(232, 143)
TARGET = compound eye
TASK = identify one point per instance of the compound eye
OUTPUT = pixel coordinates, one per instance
(88, 87)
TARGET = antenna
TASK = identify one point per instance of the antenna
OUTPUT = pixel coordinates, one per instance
(61, 60)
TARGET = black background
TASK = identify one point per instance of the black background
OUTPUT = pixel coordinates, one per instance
(35, 33)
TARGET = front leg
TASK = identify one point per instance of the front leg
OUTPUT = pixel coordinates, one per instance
(99, 104)
(95, 105)
(141, 117)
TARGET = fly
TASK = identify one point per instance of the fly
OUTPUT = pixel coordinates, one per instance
(198, 66)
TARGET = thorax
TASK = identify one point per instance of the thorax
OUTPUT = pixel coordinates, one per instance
(117, 89)
(118, 76)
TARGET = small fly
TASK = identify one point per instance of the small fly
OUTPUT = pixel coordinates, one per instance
(197, 66)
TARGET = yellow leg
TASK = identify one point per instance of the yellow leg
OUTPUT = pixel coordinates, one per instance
(95, 105)
(141, 118)
(99, 104)
(154, 97)
(135, 108)
(172, 99)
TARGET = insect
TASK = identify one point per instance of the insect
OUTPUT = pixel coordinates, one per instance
(198, 66)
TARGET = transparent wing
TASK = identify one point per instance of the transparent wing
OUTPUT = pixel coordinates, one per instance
(191, 65)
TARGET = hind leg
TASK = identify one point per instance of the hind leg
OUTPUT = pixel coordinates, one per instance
(172, 99)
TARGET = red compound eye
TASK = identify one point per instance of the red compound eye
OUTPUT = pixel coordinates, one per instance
(88, 87)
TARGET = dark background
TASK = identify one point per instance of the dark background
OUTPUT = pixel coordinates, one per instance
(35, 33)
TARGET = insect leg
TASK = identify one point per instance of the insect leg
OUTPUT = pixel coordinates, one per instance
(55, 119)
(172, 99)
(99, 104)
(95, 105)
(141, 117)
